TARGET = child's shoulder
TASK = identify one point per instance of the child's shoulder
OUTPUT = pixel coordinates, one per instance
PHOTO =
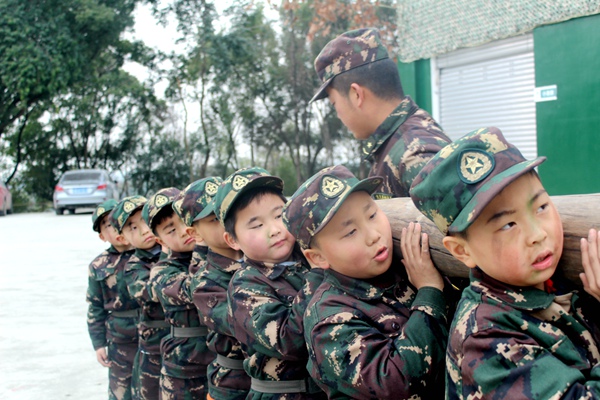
(104, 260)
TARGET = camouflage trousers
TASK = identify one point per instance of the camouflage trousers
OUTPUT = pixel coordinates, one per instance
(172, 388)
(145, 382)
(227, 384)
(121, 356)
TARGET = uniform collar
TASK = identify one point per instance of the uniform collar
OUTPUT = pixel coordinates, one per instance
(363, 289)
(274, 271)
(223, 263)
(388, 127)
(149, 254)
(524, 298)
(182, 256)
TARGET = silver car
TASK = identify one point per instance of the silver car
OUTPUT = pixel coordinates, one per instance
(83, 188)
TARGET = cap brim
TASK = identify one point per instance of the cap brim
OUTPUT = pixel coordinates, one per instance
(369, 185)
(321, 93)
(491, 188)
(209, 209)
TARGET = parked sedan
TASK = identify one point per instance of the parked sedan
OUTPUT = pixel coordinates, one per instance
(5, 199)
(83, 188)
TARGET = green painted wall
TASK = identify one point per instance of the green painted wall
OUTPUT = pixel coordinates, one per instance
(416, 81)
(568, 55)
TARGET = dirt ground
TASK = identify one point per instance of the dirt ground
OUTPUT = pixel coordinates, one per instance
(45, 350)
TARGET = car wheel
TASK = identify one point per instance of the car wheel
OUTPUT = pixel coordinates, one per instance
(71, 211)
(59, 211)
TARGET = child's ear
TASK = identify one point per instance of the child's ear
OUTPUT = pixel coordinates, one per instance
(121, 239)
(315, 258)
(231, 242)
(159, 241)
(194, 233)
(101, 236)
(459, 248)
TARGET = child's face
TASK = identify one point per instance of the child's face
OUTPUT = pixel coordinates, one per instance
(357, 242)
(261, 234)
(137, 232)
(109, 234)
(211, 231)
(518, 237)
(172, 232)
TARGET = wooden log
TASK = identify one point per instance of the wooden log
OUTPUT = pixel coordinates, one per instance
(579, 213)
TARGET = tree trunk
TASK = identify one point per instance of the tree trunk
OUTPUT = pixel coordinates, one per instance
(579, 213)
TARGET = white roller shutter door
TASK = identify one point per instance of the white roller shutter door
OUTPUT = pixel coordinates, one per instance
(490, 85)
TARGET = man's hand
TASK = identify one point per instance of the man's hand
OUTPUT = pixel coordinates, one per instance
(416, 259)
(590, 258)
(103, 357)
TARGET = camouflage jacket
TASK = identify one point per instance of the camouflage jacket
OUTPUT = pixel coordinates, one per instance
(137, 273)
(198, 257)
(522, 343)
(401, 146)
(266, 307)
(170, 284)
(376, 339)
(209, 288)
(107, 292)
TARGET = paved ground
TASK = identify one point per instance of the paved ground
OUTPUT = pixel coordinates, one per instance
(45, 351)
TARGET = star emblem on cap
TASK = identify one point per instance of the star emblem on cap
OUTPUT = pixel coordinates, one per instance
(211, 188)
(161, 200)
(128, 206)
(239, 182)
(475, 165)
(100, 211)
(332, 187)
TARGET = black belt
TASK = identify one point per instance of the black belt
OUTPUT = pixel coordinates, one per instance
(155, 323)
(297, 386)
(188, 332)
(126, 314)
(230, 363)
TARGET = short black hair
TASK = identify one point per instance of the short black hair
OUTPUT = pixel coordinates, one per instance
(163, 214)
(380, 77)
(244, 201)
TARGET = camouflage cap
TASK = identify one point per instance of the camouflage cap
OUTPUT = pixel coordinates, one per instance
(196, 200)
(100, 211)
(317, 200)
(458, 182)
(347, 51)
(158, 201)
(240, 182)
(124, 209)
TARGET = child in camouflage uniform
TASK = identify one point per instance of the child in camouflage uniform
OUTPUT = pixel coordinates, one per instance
(227, 379)
(112, 313)
(363, 84)
(369, 335)
(267, 297)
(184, 352)
(513, 336)
(127, 220)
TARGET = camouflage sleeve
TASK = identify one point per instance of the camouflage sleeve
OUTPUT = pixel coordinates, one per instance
(136, 277)
(170, 284)
(96, 315)
(264, 321)
(508, 364)
(351, 354)
(211, 301)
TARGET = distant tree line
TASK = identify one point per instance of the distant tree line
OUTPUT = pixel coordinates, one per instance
(66, 102)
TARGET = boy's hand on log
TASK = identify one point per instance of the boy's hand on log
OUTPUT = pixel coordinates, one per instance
(590, 258)
(416, 259)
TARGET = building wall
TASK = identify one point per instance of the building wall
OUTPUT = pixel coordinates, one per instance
(568, 129)
(416, 82)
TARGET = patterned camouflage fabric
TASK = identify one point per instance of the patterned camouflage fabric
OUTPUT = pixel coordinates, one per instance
(124, 209)
(146, 369)
(401, 146)
(317, 200)
(100, 211)
(162, 198)
(195, 201)
(209, 291)
(376, 339)
(240, 182)
(198, 257)
(184, 359)
(107, 293)
(458, 182)
(266, 306)
(349, 50)
(522, 343)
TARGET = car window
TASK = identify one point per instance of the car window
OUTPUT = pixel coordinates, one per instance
(81, 176)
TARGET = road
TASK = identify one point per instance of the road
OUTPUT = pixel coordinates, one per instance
(45, 350)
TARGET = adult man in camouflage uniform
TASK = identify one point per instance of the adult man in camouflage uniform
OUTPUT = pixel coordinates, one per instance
(363, 85)
(112, 313)
(227, 379)
(513, 336)
(128, 221)
(369, 334)
(185, 355)
(267, 297)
